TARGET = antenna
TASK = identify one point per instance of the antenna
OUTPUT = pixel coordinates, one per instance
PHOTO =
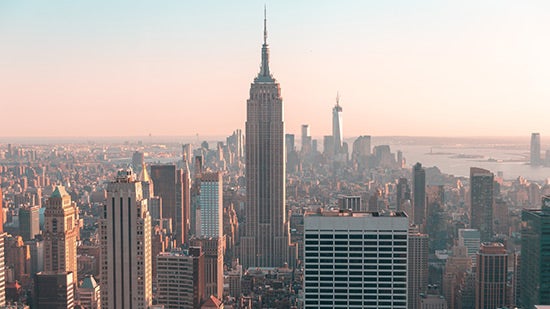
(265, 24)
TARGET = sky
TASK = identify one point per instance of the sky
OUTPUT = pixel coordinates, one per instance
(181, 68)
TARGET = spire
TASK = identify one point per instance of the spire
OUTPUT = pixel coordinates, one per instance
(265, 24)
(264, 75)
(337, 98)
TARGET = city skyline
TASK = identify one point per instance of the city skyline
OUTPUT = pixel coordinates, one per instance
(99, 66)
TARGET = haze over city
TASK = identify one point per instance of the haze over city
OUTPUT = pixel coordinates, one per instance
(408, 68)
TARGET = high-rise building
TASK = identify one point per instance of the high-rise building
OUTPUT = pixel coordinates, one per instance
(535, 149)
(172, 185)
(18, 259)
(125, 233)
(54, 290)
(403, 193)
(355, 260)
(436, 226)
(306, 139)
(212, 248)
(328, 146)
(419, 195)
(491, 276)
(471, 239)
(1, 212)
(481, 202)
(289, 143)
(535, 260)
(29, 225)
(361, 150)
(147, 185)
(265, 242)
(211, 205)
(418, 267)
(138, 160)
(337, 126)
(353, 203)
(61, 231)
(181, 279)
(457, 267)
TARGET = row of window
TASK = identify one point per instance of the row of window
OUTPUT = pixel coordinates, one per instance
(344, 267)
(355, 254)
(356, 279)
(355, 273)
(355, 236)
(355, 284)
(355, 261)
(355, 294)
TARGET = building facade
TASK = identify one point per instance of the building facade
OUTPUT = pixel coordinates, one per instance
(535, 149)
(481, 202)
(355, 260)
(211, 205)
(61, 232)
(417, 268)
(212, 248)
(125, 230)
(491, 276)
(172, 185)
(419, 195)
(54, 290)
(535, 260)
(180, 279)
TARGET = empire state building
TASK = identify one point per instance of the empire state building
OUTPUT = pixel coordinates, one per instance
(265, 242)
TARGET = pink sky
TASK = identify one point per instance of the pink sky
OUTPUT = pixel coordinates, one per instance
(411, 68)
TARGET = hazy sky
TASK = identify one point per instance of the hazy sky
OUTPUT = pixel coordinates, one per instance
(435, 68)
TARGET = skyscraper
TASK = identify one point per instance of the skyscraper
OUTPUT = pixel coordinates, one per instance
(419, 195)
(535, 260)
(211, 205)
(471, 239)
(172, 185)
(361, 151)
(337, 129)
(29, 225)
(403, 193)
(266, 235)
(61, 231)
(355, 260)
(212, 247)
(418, 267)
(535, 149)
(306, 139)
(125, 230)
(491, 276)
(55, 290)
(481, 202)
(181, 278)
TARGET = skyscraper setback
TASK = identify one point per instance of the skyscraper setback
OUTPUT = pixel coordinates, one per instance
(266, 235)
